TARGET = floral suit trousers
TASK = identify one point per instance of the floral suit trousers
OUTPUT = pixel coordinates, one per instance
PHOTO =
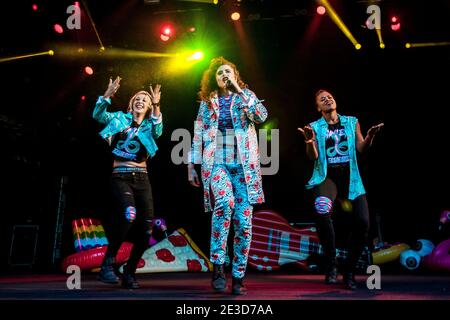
(230, 202)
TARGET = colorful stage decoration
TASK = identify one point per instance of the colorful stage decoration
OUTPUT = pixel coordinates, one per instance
(439, 259)
(445, 217)
(176, 253)
(410, 259)
(90, 245)
(388, 253)
(276, 243)
(92, 258)
(88, 233)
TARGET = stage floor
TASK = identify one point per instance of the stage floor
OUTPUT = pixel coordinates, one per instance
(196, 286)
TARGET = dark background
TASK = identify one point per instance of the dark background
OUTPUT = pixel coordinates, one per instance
(285, 56)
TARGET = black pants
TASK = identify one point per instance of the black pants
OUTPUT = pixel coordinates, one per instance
(132, 215)
(335, 186)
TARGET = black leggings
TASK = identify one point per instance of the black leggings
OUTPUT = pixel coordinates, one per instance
(325, 195)
(132, 215)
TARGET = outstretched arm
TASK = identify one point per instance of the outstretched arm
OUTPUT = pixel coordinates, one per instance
(100, 114)
(156, 113)
(363, 144)
(310, 141)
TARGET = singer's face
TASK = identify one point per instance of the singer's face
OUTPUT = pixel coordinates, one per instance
(223, 74)
(325, 102)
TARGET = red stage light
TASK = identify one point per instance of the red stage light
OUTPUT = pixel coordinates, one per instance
(395, 23)
(167, 31)
(83, 98)
(321, 10)
(35, 7)
(58, 28)
(88, 70)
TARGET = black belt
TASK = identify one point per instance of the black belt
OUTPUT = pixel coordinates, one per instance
(129, 169)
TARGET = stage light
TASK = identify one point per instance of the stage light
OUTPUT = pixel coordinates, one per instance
(382, 45)
(164, 37)
(357, 46)
(321, 10)
(216, 1)
(191, 29)
(58, 28)
(408, 45)
(197, 55)
(35, 7)
(51, 52)
(395, 23)
(88, 70)
(83, 98)
(167, 31)
(235, 16)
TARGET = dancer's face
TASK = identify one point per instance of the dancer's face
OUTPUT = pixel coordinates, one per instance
(141, 104)
(325, 102)
(223, 74)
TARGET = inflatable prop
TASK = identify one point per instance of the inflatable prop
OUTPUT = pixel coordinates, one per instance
(388, 253)
(175, 253)
(439, 259)
(275, 243)
(445, 218)
(424, 247)
(90, 243)
(92, 258)
(410, 259)
(87, 234)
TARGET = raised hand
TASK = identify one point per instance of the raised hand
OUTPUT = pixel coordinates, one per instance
(307, 132)
(374, 130)
(155, 94)
(113, 86)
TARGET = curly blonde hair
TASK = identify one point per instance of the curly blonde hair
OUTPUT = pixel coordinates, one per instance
(208, 85)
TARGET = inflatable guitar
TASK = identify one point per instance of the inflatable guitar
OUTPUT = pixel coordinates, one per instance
(275, 243)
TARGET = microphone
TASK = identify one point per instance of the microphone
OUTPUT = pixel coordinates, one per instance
(229, 83)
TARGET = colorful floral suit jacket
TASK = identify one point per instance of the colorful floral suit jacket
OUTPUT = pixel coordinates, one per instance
(244, 114)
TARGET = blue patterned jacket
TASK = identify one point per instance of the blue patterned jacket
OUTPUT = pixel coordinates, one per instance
(149, 130)
(356, 187)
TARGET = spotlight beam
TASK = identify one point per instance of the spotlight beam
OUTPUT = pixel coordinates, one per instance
(73, 52)
(50, 53)
(427, 44)
(380, 38)
(93, 25)
(337, 20)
